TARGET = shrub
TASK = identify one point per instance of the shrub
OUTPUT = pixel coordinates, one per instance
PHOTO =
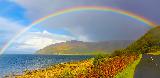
(99, 58)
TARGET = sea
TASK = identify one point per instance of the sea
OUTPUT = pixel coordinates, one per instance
(13, 64)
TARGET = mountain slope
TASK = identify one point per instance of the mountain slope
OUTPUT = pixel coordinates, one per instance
(79, 47)
(150, 42)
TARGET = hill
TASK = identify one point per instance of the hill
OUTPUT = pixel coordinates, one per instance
(79, 47)
(148, 43)
(107, 66)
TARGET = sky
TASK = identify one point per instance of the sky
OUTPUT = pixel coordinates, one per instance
(15, 15)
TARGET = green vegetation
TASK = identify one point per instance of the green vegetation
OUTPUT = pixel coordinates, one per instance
(100, 58)
(154, 53)
(129, 71)
(150, 42)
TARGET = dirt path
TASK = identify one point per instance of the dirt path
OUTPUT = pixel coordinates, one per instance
(149, 67)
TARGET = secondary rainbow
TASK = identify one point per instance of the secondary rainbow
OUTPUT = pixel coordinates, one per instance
(80, 8)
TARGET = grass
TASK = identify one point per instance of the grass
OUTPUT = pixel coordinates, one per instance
(155, 53)
(129, 71)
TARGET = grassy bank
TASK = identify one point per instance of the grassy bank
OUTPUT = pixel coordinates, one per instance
(128, 72)
(155, 53)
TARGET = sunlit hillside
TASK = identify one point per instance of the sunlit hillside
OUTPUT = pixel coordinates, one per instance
(84, 48)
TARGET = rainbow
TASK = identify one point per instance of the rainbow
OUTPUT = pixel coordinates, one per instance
(79, 8)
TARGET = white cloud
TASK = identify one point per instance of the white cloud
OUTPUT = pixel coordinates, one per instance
(8, 29)
(38, 40)
(9, 26)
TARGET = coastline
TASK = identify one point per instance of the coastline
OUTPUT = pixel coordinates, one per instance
(103, 67)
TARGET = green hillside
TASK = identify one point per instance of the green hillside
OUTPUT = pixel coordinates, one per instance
(148, 43)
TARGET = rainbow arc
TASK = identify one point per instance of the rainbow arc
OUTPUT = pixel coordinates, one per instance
(80, 8)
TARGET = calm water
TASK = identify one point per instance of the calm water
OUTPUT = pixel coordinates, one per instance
(16, 64)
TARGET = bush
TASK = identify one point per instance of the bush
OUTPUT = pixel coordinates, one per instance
(120, 52)
(99, 58)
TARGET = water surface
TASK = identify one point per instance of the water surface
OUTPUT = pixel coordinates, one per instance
(16, 64)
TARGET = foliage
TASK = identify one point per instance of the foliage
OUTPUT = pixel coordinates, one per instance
(65, 70)
(119, 52)
(129, 71)
(100, 58)
(102, 66)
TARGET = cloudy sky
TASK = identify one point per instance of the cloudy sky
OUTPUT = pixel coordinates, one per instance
(15, 15)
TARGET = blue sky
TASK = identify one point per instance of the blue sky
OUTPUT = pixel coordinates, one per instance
(12, 11)
(15, 15)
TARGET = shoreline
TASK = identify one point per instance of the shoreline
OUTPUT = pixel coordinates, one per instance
(17, 64)
(84, 68)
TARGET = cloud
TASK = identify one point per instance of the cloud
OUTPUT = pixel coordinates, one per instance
(98, 26)
(40, 8)
(32, 41)
(7, 25)
(8, 29)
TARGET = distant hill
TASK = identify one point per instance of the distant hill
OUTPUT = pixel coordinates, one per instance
(79, 47)
(150, 42)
